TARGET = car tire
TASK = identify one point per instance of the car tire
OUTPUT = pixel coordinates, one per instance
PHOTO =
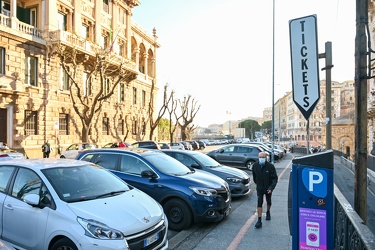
(249, 165)
(65, 244)
(62, 157)
(178, 214)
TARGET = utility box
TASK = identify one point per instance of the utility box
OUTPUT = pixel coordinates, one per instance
(313, 202)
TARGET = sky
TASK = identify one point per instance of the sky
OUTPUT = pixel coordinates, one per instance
(221, 51)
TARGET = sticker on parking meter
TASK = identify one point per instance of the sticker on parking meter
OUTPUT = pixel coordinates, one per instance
(313, 229)
(315, 181)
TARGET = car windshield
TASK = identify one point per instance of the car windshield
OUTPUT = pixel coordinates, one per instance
(206, 160)
(167, 164)
(86, 182)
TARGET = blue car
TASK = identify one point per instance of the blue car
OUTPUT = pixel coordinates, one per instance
(238, 180)
(186, 195)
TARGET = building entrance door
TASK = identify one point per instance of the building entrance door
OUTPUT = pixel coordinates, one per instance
(3, 125)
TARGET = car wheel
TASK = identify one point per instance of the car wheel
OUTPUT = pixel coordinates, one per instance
(64, 244)
(62, 156)
(249, 165)
(178, 214)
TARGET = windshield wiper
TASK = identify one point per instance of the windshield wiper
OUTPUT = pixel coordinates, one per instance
(113, 193)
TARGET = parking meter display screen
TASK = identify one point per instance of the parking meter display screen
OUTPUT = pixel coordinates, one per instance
(313, 227)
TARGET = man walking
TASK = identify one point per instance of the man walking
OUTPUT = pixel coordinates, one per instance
(265, 177)
(46, 149)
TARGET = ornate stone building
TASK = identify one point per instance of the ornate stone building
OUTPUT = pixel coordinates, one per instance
(35, 103)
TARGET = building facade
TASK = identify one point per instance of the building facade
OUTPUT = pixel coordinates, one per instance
(35, 97)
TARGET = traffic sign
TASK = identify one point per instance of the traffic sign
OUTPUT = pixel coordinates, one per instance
(305, 63)
(56, 125)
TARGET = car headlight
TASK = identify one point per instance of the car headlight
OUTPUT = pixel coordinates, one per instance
(234, 180)
(99, 230)
(204, 191)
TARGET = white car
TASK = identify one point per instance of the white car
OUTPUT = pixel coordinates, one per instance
(177, 145)
(72, 151)
(67, 204)
(12, 153)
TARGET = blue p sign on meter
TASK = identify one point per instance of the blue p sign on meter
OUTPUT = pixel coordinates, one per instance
(305, 63)
(313, 202)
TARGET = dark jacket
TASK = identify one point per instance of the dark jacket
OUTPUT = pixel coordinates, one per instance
(266, 177)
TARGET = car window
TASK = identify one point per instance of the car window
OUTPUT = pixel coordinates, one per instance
(26, 182)
(81, 183)
(88, 146)
(107, 161)
(185, 159)
(229, 149)
(132, 165)
(167, 164)
(245, 149)
(5, 174)
(73, 147)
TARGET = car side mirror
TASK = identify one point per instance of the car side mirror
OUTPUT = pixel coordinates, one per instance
(148, 174)
(221, 151)
(32, 199)
(196, 166)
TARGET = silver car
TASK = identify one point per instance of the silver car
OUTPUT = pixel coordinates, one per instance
(72, 151)
(12, 153)
(67, 204)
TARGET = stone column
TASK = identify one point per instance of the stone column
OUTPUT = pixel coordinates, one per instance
(98, 20)
(77, 18)
(145, 56)
(13, 14)
(128, 35)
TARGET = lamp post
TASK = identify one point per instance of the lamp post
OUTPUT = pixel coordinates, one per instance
(273, 80)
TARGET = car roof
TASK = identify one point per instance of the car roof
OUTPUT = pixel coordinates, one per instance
(134, 151)
(188, 152)
(44, 163)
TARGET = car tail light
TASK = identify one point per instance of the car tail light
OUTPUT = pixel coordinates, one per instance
(4, 155)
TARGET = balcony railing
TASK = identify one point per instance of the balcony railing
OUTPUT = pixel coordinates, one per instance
(20, 26)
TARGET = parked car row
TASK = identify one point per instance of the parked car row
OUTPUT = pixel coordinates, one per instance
(186, 195)
(243, 155)
(119, 194)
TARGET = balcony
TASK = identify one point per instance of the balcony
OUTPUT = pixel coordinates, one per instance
(61, 37)
(13, 25)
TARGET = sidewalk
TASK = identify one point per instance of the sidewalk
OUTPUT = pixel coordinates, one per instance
(238, 230)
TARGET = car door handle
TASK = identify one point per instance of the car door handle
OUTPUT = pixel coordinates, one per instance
(8, 206)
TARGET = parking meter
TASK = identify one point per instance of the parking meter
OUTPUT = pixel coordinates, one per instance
(313, 202)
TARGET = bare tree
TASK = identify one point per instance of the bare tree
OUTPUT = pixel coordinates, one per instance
(172, 105)
(166, 99)
(189, 109)
(104, 71)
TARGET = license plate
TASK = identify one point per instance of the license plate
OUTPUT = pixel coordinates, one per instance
(148, 241)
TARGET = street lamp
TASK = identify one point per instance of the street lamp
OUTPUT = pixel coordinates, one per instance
(273, 80)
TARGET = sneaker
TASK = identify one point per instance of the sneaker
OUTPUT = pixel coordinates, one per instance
(268, 215)
(258, 224)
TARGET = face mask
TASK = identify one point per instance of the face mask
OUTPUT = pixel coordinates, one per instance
(262, 160)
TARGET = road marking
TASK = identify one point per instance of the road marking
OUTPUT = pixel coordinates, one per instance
(241, 234)
(233, 245)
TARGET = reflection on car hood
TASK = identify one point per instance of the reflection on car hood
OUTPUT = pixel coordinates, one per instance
(231, 171)
(129, 212)
(204, 179)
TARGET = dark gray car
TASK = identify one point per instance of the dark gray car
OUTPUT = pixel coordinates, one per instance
(238, 180)
(239, 155)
